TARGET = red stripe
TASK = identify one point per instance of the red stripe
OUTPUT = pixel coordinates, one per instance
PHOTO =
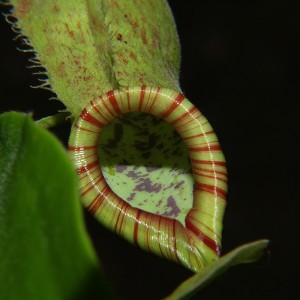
(106, 106)
(213, 177)
(95, 204)
(87, 167)
(158, 236)
(203, 237)
(112, 99)
(154, 100)
(186, 114)
(136, 227)
(174, 238)
(124, 214)
(89, 207)
(211, 189)
(148, 221)
(142, 96)
(128, 98)
(91, 186)
(168, 226)
(85, 115)
(173, 106)
(120, 211)
(98, 111)
(81, 148)
(82, 176)
(85, 129)
(198, 135)
(189, 129)
(209, 162)
(211, 171)
(206, 148)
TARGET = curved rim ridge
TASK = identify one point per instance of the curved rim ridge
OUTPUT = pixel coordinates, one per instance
(199, 241)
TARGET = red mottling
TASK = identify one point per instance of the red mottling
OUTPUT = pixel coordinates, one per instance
(113, 101)
(133, 56)
(56, 9)
(61, 69)
(119, 37)
(211, 189)
(85, 115)
(173, 106)
(204, 238)
(22, 8)
(87, 167)
(70, 32)
(136, 227)
(144, 36)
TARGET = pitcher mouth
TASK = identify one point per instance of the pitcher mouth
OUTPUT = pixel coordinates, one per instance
(188, 231)
(146, 163)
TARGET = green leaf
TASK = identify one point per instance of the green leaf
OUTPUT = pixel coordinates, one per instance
(246, 253)
(92, 46)
(53, 121)
(44, 249)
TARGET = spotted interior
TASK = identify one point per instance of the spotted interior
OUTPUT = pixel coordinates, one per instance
(146, 163)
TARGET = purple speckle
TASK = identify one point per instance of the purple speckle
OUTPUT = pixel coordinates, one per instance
(159, 203)
(146, 185)
(121, 169)
(174, 212)
(133, 174)
(179, 184)
(151, 169)
(169, 186)
(130, 198)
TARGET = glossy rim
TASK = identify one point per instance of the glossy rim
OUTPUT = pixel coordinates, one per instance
(198, 242)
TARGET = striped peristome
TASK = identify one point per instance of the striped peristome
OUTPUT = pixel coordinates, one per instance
(195, 242)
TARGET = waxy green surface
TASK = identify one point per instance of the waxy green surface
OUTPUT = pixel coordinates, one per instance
(90, 47)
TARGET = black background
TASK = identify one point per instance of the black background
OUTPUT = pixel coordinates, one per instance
(240, 66)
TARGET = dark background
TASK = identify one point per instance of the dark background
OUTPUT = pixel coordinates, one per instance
(240, 66)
